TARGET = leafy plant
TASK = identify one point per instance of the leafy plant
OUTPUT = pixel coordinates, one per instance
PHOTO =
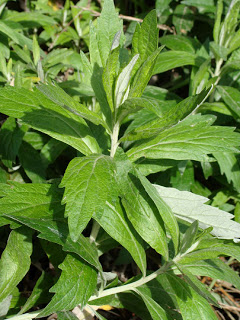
(114, 142)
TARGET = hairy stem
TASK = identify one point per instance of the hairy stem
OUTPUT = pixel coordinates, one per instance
(94, 232)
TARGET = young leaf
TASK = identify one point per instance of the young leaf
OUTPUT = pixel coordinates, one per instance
(36, 110)
(114, 221)
(144, 74)
(217, 24)
(156, 311)
(75, 286)
(145, 38)
(194, 138)
(122, 84)
(15, 260)
(189, 237)
(108, 76)
(88, 183)
(140, 209)
(36, 50)
(108, 24)
(190, 207)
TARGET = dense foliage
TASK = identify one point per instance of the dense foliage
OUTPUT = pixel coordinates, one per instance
(119, 146)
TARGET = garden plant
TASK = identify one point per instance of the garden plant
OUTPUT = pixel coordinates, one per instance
(119, 147)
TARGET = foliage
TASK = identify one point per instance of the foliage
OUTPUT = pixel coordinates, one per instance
(94, 158)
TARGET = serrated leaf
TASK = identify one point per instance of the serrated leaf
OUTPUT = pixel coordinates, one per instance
(231, 96)
(191, 304)
(164, 210)
(192, 139)
(108, 24)
(140, 209)
(36, 110)
(190, 207)
(114, 221)
(15, 260)
(57, 232)
(145, 38)
(230, 167)
(75, 286)
(156, 311)
(88, 183)
(33, 201)
(61, 98)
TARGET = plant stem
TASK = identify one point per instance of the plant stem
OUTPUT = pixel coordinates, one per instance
(131, 286)
(94, 232)
(114, 139)
(217, 72)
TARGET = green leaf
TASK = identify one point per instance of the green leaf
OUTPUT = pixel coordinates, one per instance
(140, 209)
(179, 43)
(144, 74)
(51, 150)
(36, 110)
(75, 286)
(15, 261)
(231, 97)
(164, 210)
(11, 136)
(57, 232)
(40, 291)
(32, 163)
(88, 183)
(173, 59)
(190, 207)
(218, 51)
(61, 98)
(192, 139)
(214, 268)
(217, 24)
(32, 201)
(191, 304)
(183, 19)
(197, 286)
(156, 311)
(114, 221)
(109, 74)
(189, 237)
(122, 84)
(230, 167)
(167, 116)
(145, 38)
(108, 24)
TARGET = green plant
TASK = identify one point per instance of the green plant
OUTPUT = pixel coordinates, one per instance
(122, 136)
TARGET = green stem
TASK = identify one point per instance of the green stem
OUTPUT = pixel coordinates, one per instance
(94, 232)
(133, 285)
(217, 72)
